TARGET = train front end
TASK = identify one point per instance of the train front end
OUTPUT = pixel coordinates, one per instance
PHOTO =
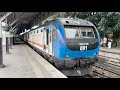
(82, 43)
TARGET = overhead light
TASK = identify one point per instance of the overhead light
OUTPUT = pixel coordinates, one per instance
(3, 24)
(34, 27)
(25, 21)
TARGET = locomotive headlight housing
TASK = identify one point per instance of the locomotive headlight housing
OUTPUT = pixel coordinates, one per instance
(67, 56)
(95, 54)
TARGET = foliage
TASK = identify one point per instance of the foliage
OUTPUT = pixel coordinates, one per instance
(106, 22)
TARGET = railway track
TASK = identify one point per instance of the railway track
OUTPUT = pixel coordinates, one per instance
(85, 76)
(108, 68)
(111, 61)
(105, 71)
(110, 52)
(110, 55)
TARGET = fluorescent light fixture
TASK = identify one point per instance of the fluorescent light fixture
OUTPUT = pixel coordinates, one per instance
(34, 27)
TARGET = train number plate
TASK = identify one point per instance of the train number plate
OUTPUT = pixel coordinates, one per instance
(83, 48)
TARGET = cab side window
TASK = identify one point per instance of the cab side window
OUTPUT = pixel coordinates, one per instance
(47, 32)
(54, 34)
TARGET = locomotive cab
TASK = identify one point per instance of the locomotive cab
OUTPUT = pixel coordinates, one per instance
(81, 42)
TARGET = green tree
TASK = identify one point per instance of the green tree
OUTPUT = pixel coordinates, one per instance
(106, 22)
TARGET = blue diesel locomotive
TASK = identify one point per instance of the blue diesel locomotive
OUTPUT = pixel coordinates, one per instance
(66, 42)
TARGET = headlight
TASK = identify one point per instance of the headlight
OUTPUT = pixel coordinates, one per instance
(95, 54)
(67, 56)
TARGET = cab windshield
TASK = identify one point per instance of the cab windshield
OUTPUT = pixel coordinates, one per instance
(79, 32)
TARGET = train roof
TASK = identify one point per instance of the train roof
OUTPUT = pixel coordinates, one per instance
(73, 21)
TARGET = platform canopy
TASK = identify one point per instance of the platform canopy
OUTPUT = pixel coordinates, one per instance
(20, 21)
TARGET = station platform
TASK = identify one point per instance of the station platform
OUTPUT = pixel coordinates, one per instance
(24, 62)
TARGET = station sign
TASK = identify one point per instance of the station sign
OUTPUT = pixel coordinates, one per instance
(74, 22)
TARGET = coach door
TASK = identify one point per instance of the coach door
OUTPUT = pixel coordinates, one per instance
(44, 41)
(50, 41)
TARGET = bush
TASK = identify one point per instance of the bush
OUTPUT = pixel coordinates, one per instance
(114, 43)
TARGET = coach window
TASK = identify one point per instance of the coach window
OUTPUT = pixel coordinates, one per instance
(37, 31)
(28, 35)
(41, 30)
(47, 36)
(50, 35)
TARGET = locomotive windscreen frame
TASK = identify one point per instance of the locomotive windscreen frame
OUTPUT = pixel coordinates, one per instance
(74, 43)
(78, 27)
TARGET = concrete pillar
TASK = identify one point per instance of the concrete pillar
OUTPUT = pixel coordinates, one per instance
(11, 40)
(7, 43)
(1, 49)
(3, 38)
(7, 38)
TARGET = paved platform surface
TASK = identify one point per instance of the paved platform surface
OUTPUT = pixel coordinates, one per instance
(23, 62)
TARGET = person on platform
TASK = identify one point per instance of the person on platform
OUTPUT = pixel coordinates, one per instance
(104, 41)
